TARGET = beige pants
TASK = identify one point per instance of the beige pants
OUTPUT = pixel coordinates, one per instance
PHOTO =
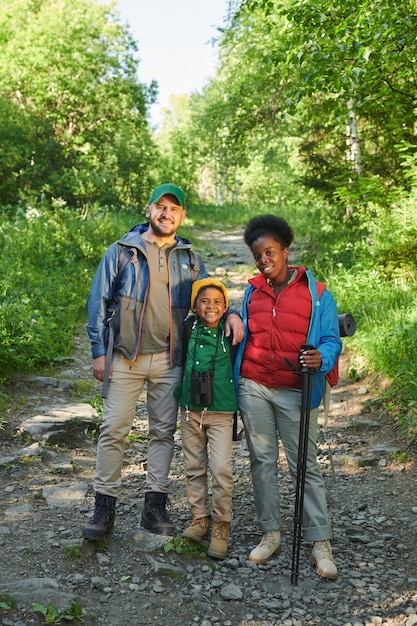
(207, 443)
(119, 410)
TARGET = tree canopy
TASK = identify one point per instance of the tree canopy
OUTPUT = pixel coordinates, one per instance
(313, 93)
(73, 115)
(335, 82)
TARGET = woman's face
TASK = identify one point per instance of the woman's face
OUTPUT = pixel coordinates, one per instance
(270, 258)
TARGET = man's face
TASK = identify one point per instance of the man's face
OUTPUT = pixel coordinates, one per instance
(210, 306)
(165, 216)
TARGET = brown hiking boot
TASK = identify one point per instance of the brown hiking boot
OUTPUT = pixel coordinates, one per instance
(197, 529)
(219, 540)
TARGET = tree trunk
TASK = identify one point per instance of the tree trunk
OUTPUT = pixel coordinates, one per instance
(352, 141)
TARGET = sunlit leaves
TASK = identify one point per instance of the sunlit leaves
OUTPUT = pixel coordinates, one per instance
(70, 69)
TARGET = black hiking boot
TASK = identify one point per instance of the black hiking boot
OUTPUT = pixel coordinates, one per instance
(103, 518)
(154, 515)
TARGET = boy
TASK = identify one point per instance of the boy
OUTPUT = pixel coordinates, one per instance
(207, 398)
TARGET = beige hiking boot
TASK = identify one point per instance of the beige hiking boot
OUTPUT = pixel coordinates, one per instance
(269, 545)
(219, 540)
(197, 529)
(322, 558)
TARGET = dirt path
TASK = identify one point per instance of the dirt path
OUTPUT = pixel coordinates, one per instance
(372, 494)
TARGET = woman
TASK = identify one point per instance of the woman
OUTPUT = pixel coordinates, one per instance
(282, 310)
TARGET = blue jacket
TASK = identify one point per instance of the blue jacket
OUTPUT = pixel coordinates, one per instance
(323, 333)
(123, 298)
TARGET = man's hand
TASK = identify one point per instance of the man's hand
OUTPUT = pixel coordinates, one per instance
(99, 365)
(234, 325)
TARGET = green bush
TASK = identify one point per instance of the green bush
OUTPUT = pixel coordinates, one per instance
(48, 259)
(50, 256)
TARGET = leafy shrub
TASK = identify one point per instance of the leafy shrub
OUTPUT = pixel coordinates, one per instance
(49, 258)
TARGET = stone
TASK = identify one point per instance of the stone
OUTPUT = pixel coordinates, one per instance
(60, 425)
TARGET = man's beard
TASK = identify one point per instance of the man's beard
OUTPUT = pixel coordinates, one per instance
(161, 231)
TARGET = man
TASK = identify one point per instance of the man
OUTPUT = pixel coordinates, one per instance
(138, 300)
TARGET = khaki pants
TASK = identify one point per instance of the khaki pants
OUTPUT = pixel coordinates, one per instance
(119, 410)
(213, 431)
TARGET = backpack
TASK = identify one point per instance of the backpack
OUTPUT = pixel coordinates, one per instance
(333, 376)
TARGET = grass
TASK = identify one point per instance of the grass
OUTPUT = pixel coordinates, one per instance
(81, 389)
(135, 437)
(7, 602)
(72, 552)
(52, 615)
(400, 456)
(186, 547)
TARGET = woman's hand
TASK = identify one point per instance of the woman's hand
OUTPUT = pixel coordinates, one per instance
(311, 359)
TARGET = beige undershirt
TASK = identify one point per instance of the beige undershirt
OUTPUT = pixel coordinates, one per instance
(277, 289)
(155, 337)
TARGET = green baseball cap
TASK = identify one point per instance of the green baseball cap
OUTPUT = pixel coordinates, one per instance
(163, 190)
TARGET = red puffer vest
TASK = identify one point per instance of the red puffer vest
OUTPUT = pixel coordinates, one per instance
(277, 329)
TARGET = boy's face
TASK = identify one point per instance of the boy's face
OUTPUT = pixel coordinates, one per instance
(210, 306)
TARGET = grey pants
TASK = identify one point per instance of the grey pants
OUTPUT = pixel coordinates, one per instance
(268, 415)
(119, 410)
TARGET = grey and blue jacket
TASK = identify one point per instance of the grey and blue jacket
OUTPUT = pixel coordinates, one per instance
(119, 294)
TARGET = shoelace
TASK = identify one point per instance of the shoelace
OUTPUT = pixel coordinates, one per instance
(160, 514)
(101, 514)
(104, 504)
(221, 530)
(323, 551)
(198, 522)
(269, 539)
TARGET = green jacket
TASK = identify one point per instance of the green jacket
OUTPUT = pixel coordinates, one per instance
(208, 349)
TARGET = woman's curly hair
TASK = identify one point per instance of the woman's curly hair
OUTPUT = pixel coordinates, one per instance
(268, 225)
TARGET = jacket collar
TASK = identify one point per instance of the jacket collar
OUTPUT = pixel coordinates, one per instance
(133, 238)
(260, 281)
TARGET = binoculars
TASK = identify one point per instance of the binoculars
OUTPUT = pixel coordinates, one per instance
(202, 388)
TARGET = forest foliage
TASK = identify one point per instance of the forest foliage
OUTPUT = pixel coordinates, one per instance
(311, 114)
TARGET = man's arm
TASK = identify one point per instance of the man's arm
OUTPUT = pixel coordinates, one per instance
(234, 326)
(100, 294)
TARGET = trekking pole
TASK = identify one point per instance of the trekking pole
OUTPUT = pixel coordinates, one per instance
(306, 374)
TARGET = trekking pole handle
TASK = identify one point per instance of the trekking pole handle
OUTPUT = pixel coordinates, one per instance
(303, 349)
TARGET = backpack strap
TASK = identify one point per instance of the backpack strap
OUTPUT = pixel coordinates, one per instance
(109, 356)
(124, 256)
(194, 265)
(331, 380)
